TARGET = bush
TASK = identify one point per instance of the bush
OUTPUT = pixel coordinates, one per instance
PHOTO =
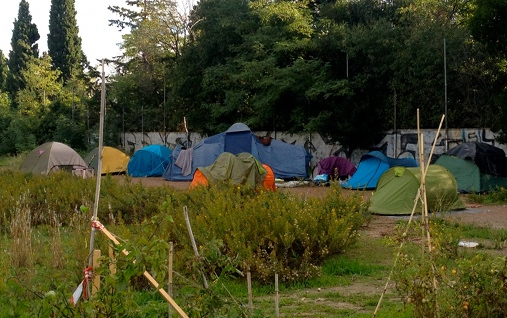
(268, 232)
(237, 229)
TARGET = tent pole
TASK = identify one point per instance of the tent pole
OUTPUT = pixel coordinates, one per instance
(99, 167)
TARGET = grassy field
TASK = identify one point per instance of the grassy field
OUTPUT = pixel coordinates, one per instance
(49, 258)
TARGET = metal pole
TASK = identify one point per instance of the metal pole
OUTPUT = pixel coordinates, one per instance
(347, 63)
(395, 131)
(445, 99)
(99, 167)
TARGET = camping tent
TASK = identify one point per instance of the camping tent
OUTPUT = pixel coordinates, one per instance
(52, 156)
(371, 166)
(490, 159)
(150, 161)
(477, 167)
(286, 160)
(336, 167)
(113, 160)
(397, 189)
(238, 169)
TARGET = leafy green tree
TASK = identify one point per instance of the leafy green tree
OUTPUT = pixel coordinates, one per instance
(42, 87)
(488, 25)
(64, 43)
(3, 72)
(141, 84)
(24, 47)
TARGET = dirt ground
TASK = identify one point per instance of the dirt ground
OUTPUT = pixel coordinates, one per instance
(482, 215)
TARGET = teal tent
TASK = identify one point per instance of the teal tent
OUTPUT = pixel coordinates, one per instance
(371, 167)
(150, 161)
(476, 173)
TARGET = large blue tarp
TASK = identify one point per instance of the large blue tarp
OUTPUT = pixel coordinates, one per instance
(371, 166)
(286, 160)
(150, 161)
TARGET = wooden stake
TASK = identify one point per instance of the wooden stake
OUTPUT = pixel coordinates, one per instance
(96, 277)
(249, 283)
(150, 278)
(192, 239)
(277, 299)
(112, 264)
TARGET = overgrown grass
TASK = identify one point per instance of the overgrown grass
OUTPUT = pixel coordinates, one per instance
(234, 228)
(237, 229)
(498, 196)
(10, 162)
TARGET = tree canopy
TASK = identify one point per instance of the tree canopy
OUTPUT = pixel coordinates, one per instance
(348, 69)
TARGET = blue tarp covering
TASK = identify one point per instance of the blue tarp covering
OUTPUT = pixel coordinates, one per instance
(371, 166)
(286, 160)
(150, 161)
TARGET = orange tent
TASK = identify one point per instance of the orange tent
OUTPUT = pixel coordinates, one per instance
(265, 174)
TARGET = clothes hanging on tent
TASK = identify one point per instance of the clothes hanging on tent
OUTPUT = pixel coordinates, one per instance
(184, 161)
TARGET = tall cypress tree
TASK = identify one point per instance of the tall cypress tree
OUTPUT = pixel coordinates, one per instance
(64, 43)
(24, 36)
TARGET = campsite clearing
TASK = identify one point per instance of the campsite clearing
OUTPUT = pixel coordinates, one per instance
(494, 216)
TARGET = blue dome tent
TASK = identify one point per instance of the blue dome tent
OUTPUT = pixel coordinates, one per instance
(371, 166)
(286, 160)
(150, 161)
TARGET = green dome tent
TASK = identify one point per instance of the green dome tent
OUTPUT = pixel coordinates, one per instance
(397, 189)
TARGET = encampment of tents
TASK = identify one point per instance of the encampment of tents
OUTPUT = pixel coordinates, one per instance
(51, 157)
(371, 166)
(150, 161)
(241, 169)
(336, 167)
(286, 160)
(397, 189)
(113, 160)
(477, 167)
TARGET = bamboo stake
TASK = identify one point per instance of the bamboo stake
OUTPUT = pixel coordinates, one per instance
(192, 239)
(148, 277)
(170, 274)
(422, 189)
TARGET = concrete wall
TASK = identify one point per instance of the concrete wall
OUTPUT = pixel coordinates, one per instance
(401, 144)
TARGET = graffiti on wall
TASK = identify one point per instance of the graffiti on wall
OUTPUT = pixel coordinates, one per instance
(403, 143)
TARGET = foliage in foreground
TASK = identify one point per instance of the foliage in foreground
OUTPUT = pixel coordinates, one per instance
(446, 281)
(45, 226)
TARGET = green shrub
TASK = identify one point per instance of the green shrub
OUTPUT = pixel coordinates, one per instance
(237, 229)
(268, 232)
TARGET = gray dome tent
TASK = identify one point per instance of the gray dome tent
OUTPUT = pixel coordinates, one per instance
(51, 157)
